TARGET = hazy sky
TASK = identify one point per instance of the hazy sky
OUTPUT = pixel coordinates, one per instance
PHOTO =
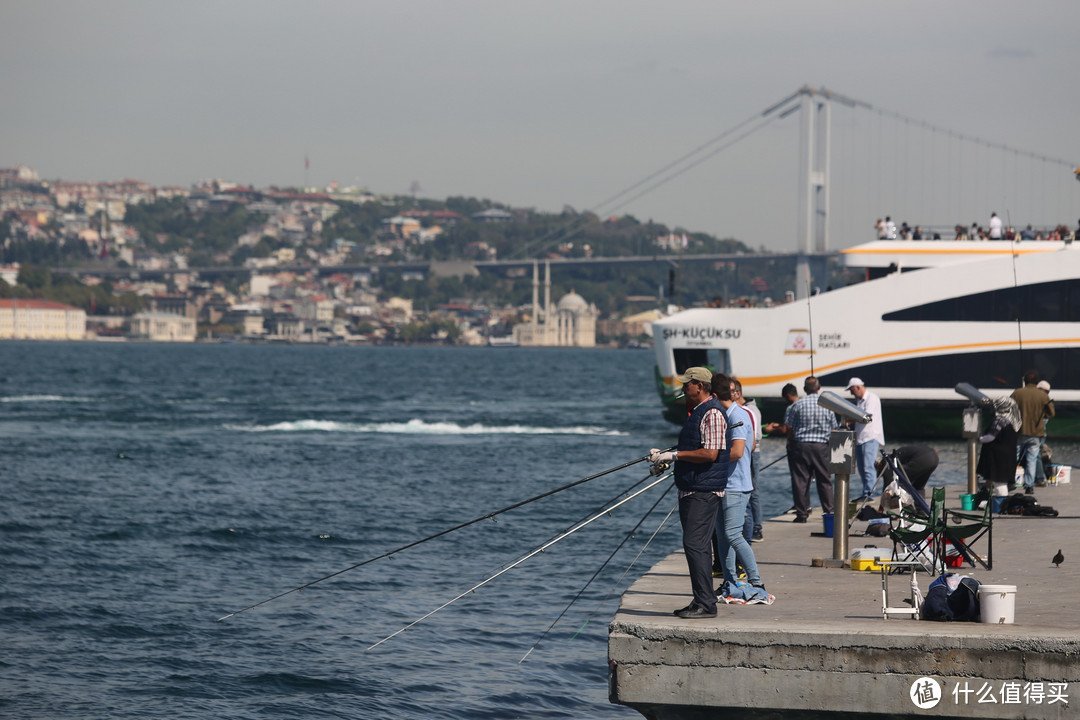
(553, 103)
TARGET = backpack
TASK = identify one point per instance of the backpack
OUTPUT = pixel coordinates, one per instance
(1021, 504)
(952, 597)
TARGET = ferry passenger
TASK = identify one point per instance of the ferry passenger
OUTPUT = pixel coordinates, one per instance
(739, 435)
(995, 226)
(1027, 233)
(701, 477)
(809, 425)
(868, 436)
(1035, 408)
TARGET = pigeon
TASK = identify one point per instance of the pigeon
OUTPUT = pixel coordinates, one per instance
(1058, 559)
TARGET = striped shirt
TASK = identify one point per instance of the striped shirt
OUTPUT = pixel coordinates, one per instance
(809, 422)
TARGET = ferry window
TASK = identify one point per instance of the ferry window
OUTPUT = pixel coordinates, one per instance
(988, 371)
(718, 359)
(1057, 301)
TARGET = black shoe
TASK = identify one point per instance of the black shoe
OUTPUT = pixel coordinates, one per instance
(695, 611)
(757, 536)
(1029, 490)
(800, 519)
(759, 584)
(682, 610)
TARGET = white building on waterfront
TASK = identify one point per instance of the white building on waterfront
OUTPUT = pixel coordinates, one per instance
(163, 327)
(40, 320)
(571, 324)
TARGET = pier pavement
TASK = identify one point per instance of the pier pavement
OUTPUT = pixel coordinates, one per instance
(823, 649)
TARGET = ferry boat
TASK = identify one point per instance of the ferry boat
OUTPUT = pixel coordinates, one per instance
(930, 314)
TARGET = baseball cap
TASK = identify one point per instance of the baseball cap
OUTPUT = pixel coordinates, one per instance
(853, 382)
(703, 375)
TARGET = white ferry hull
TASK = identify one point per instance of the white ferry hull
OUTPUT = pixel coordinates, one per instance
(865, 330)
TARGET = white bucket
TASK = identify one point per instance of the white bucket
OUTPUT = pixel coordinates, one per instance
(997, 604)
(1002, 489)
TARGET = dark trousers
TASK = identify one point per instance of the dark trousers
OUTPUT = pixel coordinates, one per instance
(698, 515)
(810, 461)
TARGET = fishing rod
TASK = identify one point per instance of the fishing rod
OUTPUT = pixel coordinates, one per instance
(773, 462)
(489, 516)
(533, 553)
(627, 538)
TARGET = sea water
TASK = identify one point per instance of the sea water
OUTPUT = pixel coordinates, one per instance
(150, 490)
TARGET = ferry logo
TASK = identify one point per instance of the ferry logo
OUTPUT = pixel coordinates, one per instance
(925, 693)
(798, 342)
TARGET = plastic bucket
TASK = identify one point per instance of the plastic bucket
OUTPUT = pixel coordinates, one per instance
(827, 518)
(1001, 489)
(998, 502)
(997, 604)
(966, 502)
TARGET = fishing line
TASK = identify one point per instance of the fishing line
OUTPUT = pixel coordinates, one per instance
(810, 320)
(600, 569)
(1016, 296)
(489, 516)
(535, 552)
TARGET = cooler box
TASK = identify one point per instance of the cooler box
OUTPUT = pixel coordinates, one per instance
(868, 558)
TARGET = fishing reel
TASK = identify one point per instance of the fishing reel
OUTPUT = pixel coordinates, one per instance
(659, 468)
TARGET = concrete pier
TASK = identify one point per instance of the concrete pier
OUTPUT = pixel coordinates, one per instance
(823, 649)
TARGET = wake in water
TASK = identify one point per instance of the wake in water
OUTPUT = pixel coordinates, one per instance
(420, 427)
(44, 399)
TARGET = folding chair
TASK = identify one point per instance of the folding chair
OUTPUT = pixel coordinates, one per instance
(971, 528)
(916, 535)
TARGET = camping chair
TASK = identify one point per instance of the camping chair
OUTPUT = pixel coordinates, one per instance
(916, 535)
(972, 526)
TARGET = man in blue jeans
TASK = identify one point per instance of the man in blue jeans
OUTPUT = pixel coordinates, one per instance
(732, 544)
(1035, 407)
(869, 437)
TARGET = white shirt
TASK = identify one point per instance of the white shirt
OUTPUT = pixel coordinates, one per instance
(995, 228)
(873, 430)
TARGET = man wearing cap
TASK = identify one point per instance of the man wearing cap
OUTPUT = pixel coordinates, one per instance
(809, 426)
(869, 437)
(1036, 408)
(701, 477)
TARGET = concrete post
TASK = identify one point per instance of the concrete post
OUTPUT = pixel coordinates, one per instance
(972, 417)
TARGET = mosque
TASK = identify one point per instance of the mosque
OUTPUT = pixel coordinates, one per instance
(571, 324)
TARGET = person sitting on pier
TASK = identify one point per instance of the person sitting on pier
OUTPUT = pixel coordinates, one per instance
(701, 477)
(918, 461)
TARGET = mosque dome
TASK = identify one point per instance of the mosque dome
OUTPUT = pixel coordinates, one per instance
(572, 301)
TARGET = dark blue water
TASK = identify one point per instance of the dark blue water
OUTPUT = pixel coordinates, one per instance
(148, 490)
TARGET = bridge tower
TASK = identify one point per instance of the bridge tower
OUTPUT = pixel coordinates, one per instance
(813, 218)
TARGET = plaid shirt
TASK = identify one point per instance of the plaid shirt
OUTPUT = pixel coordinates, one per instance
(809, 422)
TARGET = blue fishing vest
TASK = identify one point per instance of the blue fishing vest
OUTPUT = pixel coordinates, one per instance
(702, 477)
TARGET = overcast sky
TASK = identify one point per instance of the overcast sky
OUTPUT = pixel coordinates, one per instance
(546, 104)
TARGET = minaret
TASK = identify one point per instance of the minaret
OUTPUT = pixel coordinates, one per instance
(536, 299)
(547, 301)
